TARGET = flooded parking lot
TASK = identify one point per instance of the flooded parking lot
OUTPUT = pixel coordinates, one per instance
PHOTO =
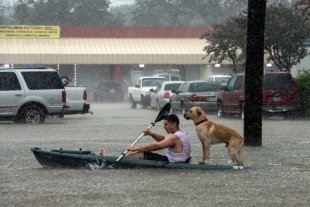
(281, 179)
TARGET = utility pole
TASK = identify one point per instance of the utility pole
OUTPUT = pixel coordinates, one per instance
(254, 71)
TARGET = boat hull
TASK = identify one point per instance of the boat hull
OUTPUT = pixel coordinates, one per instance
(86, 159)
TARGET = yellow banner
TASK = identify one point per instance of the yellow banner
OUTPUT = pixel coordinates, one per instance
(29, 31)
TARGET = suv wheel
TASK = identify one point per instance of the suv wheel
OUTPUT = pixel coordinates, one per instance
(132, 103)
(33, 115)
(220, 112)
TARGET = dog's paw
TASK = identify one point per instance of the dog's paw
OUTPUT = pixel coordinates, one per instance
(202, 163)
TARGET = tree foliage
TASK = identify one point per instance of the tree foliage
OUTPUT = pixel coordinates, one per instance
(184, 12)
(227, 42)
(303, 82)
(285, 32)
(141, 13)
(65, 12)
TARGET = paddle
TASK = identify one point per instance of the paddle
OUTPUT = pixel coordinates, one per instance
(161, 115)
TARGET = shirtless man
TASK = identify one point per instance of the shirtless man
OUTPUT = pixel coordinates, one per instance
(176, 142)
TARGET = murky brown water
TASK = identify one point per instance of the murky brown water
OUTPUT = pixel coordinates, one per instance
(282, 180)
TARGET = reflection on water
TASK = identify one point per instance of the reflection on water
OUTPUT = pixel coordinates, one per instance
(24, 182)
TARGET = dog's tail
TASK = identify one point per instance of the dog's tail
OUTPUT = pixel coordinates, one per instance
(240, 154)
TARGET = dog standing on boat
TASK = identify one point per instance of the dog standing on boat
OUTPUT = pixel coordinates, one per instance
(210, 132)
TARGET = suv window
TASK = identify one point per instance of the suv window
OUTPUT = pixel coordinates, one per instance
(231, 84)
(238, 83)
(34, 80)
(278, 81)
(9, 82)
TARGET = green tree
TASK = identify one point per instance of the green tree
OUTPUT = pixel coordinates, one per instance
(44, 12)
(285, 32)
(150, 12)
(185, 12)
(303, 82)
(123, 14)
(92, 13)
(66, 12)
(227, 42)
(22, 12)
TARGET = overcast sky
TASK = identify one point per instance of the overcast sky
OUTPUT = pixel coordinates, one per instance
(113, 2)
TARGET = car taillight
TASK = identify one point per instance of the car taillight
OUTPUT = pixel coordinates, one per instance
(64, 96)
(85, 95)
(194, 97)
(166, 94)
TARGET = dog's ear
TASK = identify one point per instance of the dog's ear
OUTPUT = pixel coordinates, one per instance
(198, 112)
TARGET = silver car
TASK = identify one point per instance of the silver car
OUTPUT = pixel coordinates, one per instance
(161, 95)
(195, 93)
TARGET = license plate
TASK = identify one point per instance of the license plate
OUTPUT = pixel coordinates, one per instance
(276, 99)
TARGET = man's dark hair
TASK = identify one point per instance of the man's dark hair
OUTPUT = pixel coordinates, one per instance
(172, 118)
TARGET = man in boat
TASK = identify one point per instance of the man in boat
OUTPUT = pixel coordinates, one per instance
(176, 142)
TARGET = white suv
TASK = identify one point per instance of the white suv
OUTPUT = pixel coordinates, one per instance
(30, 95)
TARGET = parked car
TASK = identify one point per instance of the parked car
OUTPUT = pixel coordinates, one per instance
(195, 93)
(161, 95)
(109, 91)
(223, 79)
(76, 97)
(30, 95)
(280, 95)
(140, 93)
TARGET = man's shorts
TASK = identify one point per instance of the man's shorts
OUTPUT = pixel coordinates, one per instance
(155, 156)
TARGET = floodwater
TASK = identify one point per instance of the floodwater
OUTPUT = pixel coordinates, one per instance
(281, 179)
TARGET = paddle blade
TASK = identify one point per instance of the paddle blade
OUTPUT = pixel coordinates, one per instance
(163, 112)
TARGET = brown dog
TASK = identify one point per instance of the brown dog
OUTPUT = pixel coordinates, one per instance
(210, 132)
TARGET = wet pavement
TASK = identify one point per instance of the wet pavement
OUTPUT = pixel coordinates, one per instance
(281, 178)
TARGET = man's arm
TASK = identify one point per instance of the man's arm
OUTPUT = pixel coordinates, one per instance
(157, 137)
(169, 141)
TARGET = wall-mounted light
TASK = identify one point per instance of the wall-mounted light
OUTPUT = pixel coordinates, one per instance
(269, 64)
(217, 65)
(141, 65)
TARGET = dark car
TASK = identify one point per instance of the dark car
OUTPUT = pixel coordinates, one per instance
(195, 93)
(109, 91)
(280, 95)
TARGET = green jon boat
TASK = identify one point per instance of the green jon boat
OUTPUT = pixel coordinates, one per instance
(80, 158)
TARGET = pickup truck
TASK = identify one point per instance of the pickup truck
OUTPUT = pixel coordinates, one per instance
(30, 95)
(140, 93)
(76, 98)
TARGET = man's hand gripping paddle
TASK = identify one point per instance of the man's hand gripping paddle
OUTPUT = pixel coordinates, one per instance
(162, 114)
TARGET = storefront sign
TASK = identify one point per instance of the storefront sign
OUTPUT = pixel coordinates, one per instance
(29, 31)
